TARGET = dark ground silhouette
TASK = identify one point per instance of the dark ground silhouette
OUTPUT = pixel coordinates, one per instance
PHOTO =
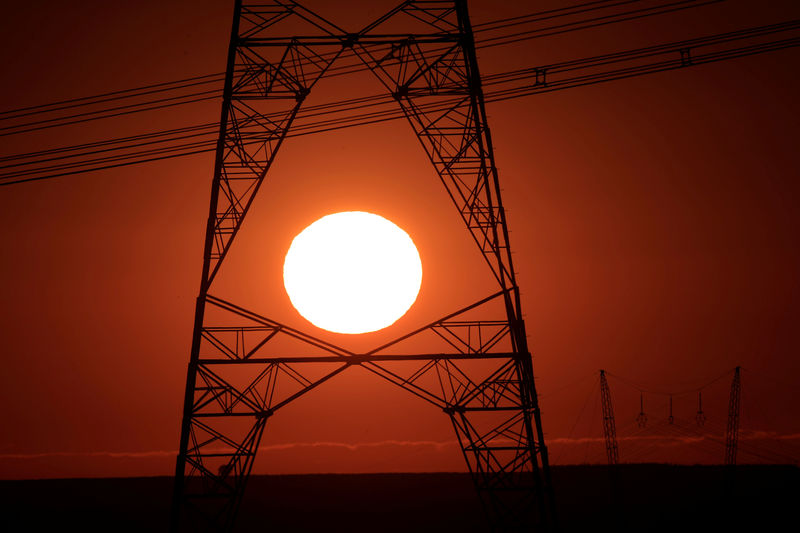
(652, 498)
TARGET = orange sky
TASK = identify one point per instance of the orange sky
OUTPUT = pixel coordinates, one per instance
(653, 221)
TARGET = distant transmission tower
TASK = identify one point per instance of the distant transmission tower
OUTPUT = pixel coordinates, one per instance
(478, 370)
(700, 417)
(609, 425)
(734, 406)
(641, 418)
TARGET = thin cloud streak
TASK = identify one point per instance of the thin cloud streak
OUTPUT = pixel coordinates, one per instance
(436, 445)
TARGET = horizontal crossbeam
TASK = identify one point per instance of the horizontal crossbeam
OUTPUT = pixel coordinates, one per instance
(360, 359)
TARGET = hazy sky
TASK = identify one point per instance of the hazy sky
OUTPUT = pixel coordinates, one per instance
(654, 224)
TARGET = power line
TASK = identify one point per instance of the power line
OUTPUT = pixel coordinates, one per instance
(348, 68)
(116, 95)
(107, 142)
(110, 112)
(670, 393)
(551, 13)
(381, 108)
(595, 22)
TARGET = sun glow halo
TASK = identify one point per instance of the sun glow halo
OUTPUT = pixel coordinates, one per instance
(352, 272)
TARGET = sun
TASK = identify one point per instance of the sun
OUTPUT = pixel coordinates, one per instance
(352, 272)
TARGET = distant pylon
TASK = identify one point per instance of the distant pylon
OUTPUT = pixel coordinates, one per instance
(670, 419)
(641, 418)
(700, 417)
(609, 426)
(734, 406)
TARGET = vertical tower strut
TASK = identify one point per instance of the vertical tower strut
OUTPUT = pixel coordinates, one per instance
(609, 425)
(734, 406)
(478, 370)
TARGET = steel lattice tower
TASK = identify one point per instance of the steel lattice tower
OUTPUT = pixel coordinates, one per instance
(609, 425)
(732, 430)
(238, 377)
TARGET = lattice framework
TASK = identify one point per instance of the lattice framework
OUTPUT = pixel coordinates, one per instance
(481, 375)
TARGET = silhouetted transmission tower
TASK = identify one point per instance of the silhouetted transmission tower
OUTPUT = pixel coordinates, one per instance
(734, 407)
(239, 376)
(609, 425)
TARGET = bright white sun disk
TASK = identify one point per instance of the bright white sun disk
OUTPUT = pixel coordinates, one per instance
(352, 272)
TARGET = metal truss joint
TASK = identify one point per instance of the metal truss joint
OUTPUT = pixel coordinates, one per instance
(400, 93)
(453, 409)
(266, 413)
(302, 93)
(350, 39)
